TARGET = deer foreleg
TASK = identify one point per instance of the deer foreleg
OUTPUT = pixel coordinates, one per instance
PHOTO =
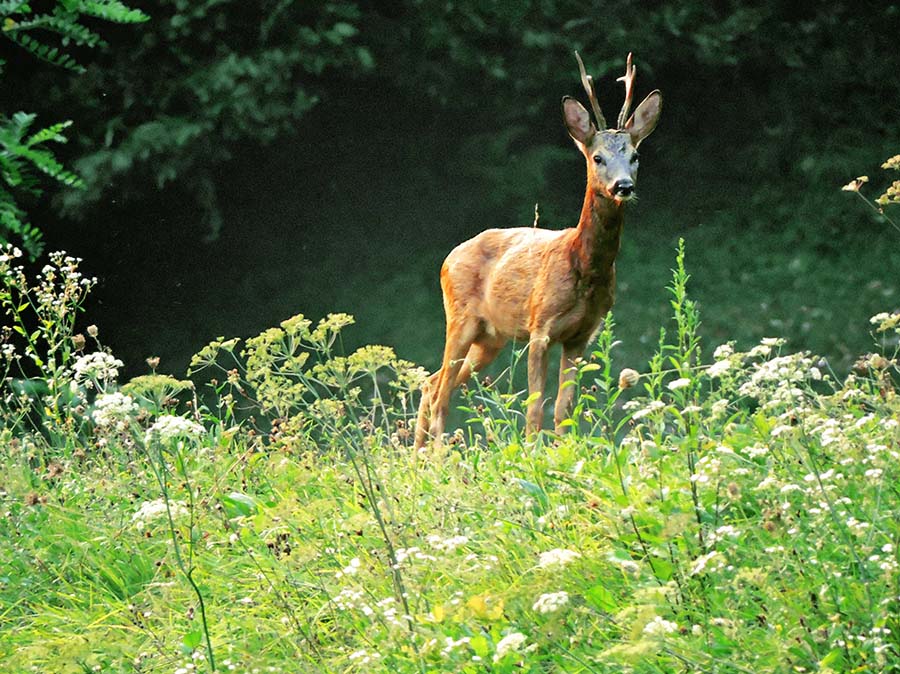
(566, 394)
(537, 376)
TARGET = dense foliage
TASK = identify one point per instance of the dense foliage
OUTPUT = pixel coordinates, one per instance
(206, 77)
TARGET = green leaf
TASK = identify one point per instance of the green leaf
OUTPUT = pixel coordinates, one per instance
(536, 491)
(480, 645)
(833, 656)
(237, 504)
(191, 640)
(601, 598)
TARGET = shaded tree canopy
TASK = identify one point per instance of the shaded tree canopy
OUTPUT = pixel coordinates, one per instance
(171, 100)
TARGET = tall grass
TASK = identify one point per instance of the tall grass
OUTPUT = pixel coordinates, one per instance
(734, 514)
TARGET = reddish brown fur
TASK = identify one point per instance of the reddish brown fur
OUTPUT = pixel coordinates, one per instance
(545, 286)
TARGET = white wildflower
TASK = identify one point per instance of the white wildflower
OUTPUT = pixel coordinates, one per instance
(718, 368)
(550, 602)
(96, 368)
(9, 253)
(754, 451)
(168, 427)
(509, 644)
(362, 657)
(679, 383)
(446, 544)
(759, 350)
(659, 626)
(153, 510)
(557, 557)
(723, 352)
(653, 406)
(113, 410)
(350, 569)
(703, 563)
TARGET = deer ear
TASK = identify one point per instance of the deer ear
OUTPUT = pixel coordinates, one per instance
(578, 121)
(643, 121)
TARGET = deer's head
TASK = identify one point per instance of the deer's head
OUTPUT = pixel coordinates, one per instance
(612, 157)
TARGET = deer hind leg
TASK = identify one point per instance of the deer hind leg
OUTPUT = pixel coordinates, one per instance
(481, 354)
(424, 415)
(567, 374)
(537, 377)
(436, 396)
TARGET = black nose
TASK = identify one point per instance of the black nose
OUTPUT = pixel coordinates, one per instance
(623, 188)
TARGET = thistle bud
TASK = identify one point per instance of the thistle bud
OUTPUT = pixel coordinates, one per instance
(628, 378)
(153, 362)
(92, 330)
(78, 341)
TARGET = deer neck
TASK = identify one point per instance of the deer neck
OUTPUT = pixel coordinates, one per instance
(598, 237)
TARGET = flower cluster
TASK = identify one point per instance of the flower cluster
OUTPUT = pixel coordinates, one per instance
(659, 627)
(96, 369)
(113, 410)
(169, 427)
(557, 557)
(550, 602)
(448, 544)
(776, 382)
(154, 510)
(511, 643)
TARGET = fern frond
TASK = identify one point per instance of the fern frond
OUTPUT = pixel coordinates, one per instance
(12, 130)
(12, 222)
(45, 162)
(11, 170)
(112, 10)
(44, 52)
(64, 24)
(48, 134)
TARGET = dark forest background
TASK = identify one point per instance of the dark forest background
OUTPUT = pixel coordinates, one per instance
(246, 161)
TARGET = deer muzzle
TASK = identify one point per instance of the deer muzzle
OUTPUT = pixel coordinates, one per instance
(623, 188)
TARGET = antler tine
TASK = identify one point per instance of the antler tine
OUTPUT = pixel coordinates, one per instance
(588, 82)
(628, 79)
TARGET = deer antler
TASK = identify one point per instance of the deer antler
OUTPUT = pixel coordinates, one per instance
(588, 83)
(628, 79)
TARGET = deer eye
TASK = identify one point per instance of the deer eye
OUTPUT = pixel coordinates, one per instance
(634, 158)
(598, 160)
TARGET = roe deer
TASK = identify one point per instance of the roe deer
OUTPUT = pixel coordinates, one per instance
(548, 286)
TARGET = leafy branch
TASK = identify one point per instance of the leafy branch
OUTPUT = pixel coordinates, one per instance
(23, 156)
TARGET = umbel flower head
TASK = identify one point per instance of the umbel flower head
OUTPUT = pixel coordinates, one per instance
(169, 427)
(98, 368)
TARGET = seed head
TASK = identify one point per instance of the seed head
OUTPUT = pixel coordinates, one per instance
(628, 378)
